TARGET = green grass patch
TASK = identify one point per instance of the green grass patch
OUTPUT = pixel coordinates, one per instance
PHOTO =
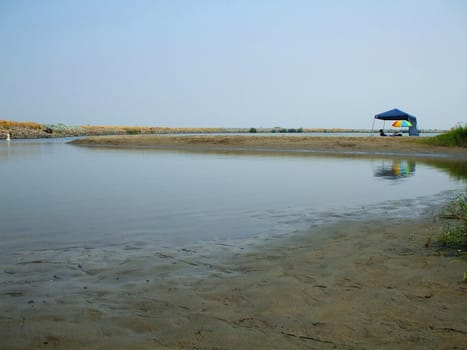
(457, 136)
(454, 234)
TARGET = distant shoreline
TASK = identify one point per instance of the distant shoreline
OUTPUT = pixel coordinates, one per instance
(370, 145)
(31, 130)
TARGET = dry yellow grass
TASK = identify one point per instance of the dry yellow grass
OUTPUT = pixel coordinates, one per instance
(35, 130)
(8, 124)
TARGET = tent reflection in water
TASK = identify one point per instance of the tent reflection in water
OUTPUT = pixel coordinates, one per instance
(395, 169)
(397, 114)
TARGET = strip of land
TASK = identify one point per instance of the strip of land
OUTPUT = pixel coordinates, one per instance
(404, 146)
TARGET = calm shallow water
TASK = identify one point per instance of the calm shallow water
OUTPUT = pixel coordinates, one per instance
(55, 195)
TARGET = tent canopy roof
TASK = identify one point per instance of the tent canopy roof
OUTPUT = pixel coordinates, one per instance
(395, 114)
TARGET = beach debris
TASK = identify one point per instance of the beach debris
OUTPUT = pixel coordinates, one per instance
(406, 251)
(306, 337)
(82, 269)
(450, 216)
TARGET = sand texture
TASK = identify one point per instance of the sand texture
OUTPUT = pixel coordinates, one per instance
(352, 285)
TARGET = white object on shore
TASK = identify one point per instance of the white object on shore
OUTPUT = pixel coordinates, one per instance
(8, 136)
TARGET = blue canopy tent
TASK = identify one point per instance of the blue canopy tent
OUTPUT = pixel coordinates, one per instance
(397, 114)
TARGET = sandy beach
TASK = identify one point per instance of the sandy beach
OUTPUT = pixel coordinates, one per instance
(351, 285)
(365, 283)
(399, 146)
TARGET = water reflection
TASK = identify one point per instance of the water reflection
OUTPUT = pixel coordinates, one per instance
(395, 169)
(456, 169)
(4, 149)
(19, 150)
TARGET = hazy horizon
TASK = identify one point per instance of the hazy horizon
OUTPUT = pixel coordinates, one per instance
(297, 63)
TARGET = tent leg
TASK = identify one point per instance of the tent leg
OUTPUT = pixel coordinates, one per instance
(373, 127)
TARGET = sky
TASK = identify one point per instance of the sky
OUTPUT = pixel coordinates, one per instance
(233, 63)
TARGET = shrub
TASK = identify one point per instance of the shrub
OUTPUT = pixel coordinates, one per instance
(133, 131)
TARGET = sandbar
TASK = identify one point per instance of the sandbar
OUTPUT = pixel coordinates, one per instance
(370, 145)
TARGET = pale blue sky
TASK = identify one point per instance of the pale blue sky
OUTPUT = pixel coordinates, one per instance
(243, 63)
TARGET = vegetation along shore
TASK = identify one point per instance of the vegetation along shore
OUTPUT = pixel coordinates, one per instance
(27, 130)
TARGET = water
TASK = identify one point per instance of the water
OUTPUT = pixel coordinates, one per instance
(55, 195)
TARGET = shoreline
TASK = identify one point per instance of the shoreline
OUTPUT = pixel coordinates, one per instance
(359, 284)
(364, 146)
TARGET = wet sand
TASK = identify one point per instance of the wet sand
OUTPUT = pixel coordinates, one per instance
(375, 145)
(350, 285)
